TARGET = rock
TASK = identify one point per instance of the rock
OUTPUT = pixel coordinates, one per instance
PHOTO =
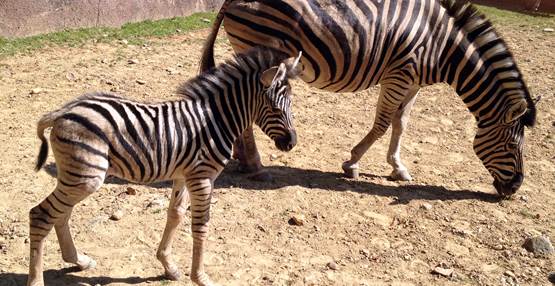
(171, 71)
(539, 245)
(365, 252)
(117, 215)
(157, 203)
(141, 82)
(36, 90)
(71, 76)
(297, 219)
(131, 191)
(549, 30)
(132, 61)
(124, 42)
(510, 274)
(273, 157)
(446, 272)
(205, 20)
(332, 265)
(426, 206)
(378, 219)
(551, 277)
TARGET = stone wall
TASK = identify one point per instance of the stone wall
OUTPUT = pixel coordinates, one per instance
(29, 17)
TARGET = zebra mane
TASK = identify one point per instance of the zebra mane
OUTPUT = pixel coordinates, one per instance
(478, 28)
(255, 59)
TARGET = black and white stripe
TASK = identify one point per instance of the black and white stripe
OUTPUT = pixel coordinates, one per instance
(188, 141)
(351, 45)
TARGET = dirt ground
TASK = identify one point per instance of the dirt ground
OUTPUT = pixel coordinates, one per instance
(377, 232)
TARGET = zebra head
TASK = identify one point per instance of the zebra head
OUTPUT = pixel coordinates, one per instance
(501, 146)
(275, 117)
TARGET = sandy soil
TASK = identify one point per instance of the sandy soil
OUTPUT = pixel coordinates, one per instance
(377, 232)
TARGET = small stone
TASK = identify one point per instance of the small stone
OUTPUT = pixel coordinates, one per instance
(365, 252)
(539, 245)
(158, 203)
(426, 206)
(36, 90)
(171, 71)
(205, 20)
(332, 265)
(549, 30)
(141, 82)
(261, 228)
(523, 198)
(131, 191)
(214, 199)
(273, 157)
(178, 30)
(71, 76)
(297, 219)
(551, 277)
(446, 272)
(510, 273)
(26, 240)
(132, 61)
(124, 42)
(117, 215)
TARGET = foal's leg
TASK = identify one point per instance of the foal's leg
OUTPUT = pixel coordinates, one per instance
(400, 121)
(200, 193)
(176, 212)
(55, 211)
(391, 96)
(69, 252)
(245, 150)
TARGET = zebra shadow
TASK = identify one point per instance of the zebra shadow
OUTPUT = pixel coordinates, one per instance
(284, 176)
(63, 277)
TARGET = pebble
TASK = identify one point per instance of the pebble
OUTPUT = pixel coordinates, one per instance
(446, 272)
(132, 61)
(510, 274)
(551, 277)
(36, 90)
(171, 71)
(332, 265)
(539, 245)
(426, 206)
(131, 191)
(125, 42)
(297, 219)
(141, 82)
(160, 202)
(549, 30)
(206, 20)
(117, 215)
(273, 157)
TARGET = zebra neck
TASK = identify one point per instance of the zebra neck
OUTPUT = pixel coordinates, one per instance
(481, 76)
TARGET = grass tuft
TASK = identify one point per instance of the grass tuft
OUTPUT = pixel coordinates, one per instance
(134, 33)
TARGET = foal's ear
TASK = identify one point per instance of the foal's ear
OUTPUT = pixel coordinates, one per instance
(516, 111)
(273, 75)
(294, 66)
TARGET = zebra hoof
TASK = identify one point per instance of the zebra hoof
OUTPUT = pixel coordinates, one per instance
(172, 274)
(400, 175)
(351, 171)
(88, 263)
(262, 176)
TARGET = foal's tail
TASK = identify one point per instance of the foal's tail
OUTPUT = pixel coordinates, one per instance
(46, 121)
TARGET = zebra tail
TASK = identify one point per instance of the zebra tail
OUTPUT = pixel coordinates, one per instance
(207, 59)
(45, 122)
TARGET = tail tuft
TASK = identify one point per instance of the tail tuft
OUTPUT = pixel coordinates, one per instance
(43, 154)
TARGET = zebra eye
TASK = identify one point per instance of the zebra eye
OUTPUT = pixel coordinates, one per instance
(512, 145)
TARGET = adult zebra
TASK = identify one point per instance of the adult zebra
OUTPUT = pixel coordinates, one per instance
(350, 45)
(188, 141)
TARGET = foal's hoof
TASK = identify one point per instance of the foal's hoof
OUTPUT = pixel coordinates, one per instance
(351, 171)
(261, 176)
(400, 175)
(86, 263)
(172, 274)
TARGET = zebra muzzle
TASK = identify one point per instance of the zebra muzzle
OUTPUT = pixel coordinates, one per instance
(287, 141)
(509, 188)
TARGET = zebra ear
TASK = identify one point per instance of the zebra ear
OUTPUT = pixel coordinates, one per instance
(516, 111)
(294, 66)
(273, 75)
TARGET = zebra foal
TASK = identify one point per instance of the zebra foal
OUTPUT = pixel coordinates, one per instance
(188, 141)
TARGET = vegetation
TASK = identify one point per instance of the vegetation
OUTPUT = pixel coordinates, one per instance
(134, 33)
(137, 33)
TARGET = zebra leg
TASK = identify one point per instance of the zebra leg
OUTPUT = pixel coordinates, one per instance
(176, 212)
(400, 121)
(244, 150)
(200, 193)
(69, 252)
(384, 114)
(54, 210)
